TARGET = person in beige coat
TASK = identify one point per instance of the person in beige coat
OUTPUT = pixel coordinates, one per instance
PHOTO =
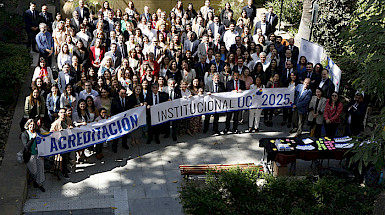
(316, 110)
(34, 106)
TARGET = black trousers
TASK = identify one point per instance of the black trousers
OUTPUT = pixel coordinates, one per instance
(268, 115)
(233, 115)
(153, 132)
(287, 114)
(32, 40)
(215, 123)
(331, 129)
(116, 141)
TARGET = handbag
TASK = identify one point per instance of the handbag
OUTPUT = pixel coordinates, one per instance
(26, 155)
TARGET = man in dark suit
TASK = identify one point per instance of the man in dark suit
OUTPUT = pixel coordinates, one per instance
(216, 27)
(310, 74)
(46, 17)
(153, 98)
(251, 11)
(201, 68)
(264, 26)
(119, 105)
(75, 21)
(83, 11)
(115, 55)
(294, 49)
(122, 47)
(287, 57)
(101, 19)
(219, 64)
(356, 111)
(326, 84)
(214, 86)
(240, 67)
(173, 93)
(285, 73)
(66, 76)
(191, 43)
(238, 44)
(272, 18)
(235, 85)
(31, 19)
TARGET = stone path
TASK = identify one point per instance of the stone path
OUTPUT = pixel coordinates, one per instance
(145, 178)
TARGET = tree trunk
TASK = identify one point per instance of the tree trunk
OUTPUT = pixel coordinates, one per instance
(304, 26)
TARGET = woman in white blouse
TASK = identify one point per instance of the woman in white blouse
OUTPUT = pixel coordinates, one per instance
(188, 75)
(64, 56)
(255, 114)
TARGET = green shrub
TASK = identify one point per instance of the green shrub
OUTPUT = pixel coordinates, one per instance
(291, 11)
(15, 63)
(235, 192)
(11, 27)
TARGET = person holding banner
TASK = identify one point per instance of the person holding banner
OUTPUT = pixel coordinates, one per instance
(120, 104)
(62, 123)
(235, 85)
(173, 93)
(153, 98)
(255, 114)
(135, 100)
(268, 113)
(215, 86)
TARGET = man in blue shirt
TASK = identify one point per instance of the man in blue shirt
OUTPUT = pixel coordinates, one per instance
(302, 99)
(44, 43)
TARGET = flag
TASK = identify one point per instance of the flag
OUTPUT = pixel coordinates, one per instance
(312, 52)
(334, 72)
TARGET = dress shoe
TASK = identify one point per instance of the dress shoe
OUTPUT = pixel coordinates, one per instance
(148, 141)
(125, 146)
(217, 133)
(289, 125)
(157, 141)
(99, 156)
(174, 138)
(205, 130)
(115, 149)
(66, 176)
(256, 130)
(283, 123)
(41, 188)
(35, 185)
(225, 131)
(235, 131)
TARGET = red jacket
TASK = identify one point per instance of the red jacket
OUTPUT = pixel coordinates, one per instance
(92, 55)
(333, 114)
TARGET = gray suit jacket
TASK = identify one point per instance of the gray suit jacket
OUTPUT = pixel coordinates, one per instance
(320, 109)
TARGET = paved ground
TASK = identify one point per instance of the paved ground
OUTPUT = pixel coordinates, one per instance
(145, 178)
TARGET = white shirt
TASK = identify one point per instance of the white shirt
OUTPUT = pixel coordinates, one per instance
(67, 78)
(216, 30)
(321, 84)
(155, 98)
(265, 65)
(216, 87)
(229, 38)
(263, 28)
(236, 83)
(97, 54)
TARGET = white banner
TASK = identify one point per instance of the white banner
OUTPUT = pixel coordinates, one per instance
(335, 73)
(59, 142)
(221, 102)
(311, 51)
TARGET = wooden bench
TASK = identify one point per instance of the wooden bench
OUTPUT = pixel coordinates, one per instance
(201, 169)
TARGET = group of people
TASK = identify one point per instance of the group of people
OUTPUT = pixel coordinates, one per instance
(115, 60)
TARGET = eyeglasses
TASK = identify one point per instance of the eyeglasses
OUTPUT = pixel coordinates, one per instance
(334, 95)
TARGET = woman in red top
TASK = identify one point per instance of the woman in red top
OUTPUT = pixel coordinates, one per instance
(153, 64)
(333, 110)
(97, 53)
